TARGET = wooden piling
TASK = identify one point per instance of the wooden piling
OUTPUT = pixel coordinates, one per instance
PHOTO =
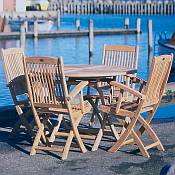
(172, 6)
(91, 41)
(26, 25)
(77, 25)
(150, 33)
(58, 21)
(22, 36)
(1, 24)
(85, 8)
(138, 25)
(126, 25)
(7, 27)
(35, 28)
(164, 8)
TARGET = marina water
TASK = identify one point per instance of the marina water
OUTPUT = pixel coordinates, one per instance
(75, 49)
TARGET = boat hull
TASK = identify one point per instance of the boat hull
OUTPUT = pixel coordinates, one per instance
(43, 25)
(165, 48)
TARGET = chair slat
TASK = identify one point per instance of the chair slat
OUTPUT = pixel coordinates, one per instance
(120, 55)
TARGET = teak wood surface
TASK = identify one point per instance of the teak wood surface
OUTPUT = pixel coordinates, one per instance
(95, 71)
(147, 99)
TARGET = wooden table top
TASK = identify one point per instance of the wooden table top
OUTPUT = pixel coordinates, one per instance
(95, 71)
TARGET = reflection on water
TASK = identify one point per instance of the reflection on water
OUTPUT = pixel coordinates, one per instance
(9, 43)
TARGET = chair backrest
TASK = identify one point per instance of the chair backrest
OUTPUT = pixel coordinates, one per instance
(158, 77)
(46, 81)
(120, 55)
(13, 63)
(14, 71)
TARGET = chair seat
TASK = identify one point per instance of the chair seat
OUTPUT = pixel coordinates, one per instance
(75, 108)
(126, 107)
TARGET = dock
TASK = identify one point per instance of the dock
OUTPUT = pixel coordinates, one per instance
(71, 33)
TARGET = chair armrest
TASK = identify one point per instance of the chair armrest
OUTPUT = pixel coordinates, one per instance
(128, 89)
(136, 79)
(77, 89)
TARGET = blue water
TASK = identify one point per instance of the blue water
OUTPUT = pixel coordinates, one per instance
(75, 49)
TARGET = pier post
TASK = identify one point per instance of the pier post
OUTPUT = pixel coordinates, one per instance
(126, 25)
(91, 41)
(101, 7)
(150, 32)
(6, 27)
(35, 28)
(114, 8)
(138, 25)
(161, 8)
(26, 25)
(58, 20)
(22, 37)
(85, 8)
(150, 42)
(171, 8)
(164, 8)
(77, 25)
(1, 24)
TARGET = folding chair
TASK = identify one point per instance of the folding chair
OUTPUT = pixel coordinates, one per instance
(147, 100)
(14, 71)
(120, 56)
(48, 93)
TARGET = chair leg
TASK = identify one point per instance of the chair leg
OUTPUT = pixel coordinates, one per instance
(74, 123)
(112, 127)
(39, 136)
(23, 118)
(116, 135)
(119, 143)
(100, 134)
(15, 129)
(26, 124)
(93, 113)
(96, 110)
(67, 146)
(79, 140)
(37, 139)
(139, 143)
(152, 134)
(97, 140)
(123, 136)
(50, 126)
(38, 122)
(56, 128)
(148, 120)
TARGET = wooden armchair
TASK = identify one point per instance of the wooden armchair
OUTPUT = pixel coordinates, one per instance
(15, 77)
(147, 99)
(48, 94)
(120, 56)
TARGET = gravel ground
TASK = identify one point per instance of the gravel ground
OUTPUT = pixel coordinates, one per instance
(15, 159)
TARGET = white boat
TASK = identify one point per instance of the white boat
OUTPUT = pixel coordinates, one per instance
(43, 25)
(167, 46)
